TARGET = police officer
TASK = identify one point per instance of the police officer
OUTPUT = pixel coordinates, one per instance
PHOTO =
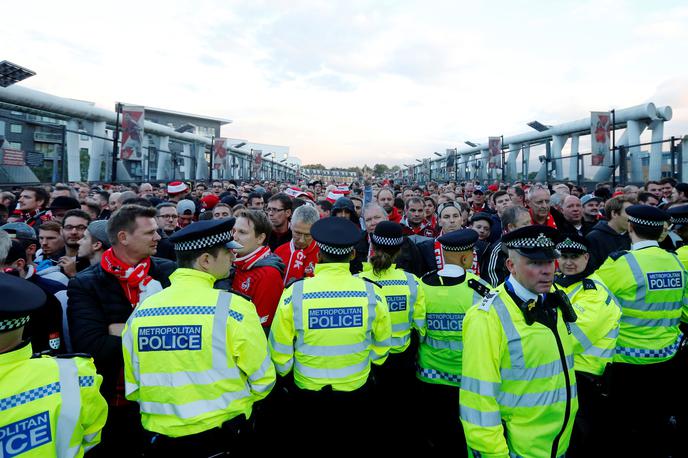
(595, 332)
(395, 379)
(196, 358)
(328, 329)
(449, 293)
(679, 221)
(48, 406)
(651, 286)
(518, 393)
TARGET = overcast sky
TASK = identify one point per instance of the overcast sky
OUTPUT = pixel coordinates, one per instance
(353, 82)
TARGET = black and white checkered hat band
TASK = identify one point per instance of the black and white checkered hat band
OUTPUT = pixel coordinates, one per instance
(458, 248)
(14, 323)
(569, 244)
(334, 249)
(204, 242)
(645, 222)
(531, 242)
(387, 241)
(679, 220)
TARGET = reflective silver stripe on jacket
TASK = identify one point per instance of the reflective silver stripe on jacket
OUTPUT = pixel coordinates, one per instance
(193, 409)
(70, 409)
(518, 371)
(477, 417)
(413, 295)
(543, 398)
(328, 350)
(454, 345)
(480, 387)
(650, 323)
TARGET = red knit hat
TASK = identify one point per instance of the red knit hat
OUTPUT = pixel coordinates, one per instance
(208, 202)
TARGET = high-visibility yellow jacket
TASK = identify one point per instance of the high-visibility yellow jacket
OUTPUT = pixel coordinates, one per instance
(441, 346)
(651, 285)
(195, 357)
(682, 254)
(329, 328)
(405, 299)
(516, 377)
(49, 406)
(597, 327)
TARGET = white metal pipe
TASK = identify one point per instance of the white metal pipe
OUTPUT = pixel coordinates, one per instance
(73, 151)
(573, 173)
(655, 166)
(514, 149)
(633, 130)
(164, 159)
(558, 142)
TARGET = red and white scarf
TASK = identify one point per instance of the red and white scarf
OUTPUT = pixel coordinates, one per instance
(247, 262)
(133, 279)
(297, 267)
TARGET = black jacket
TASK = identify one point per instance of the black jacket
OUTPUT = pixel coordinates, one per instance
(410, 258)
(97, 300)
(604, 240)
(493, 264)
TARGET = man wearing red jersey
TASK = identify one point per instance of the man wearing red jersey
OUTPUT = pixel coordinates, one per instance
(257, 271)
(300, 255)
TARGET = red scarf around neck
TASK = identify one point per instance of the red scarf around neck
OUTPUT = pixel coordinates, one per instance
(130, 277)
(249, 260)
(301, 262)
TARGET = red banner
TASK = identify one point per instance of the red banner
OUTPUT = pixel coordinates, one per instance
(600, 128)
(257, 162)
(219, 153)
(495, 148)
(13, 157)
(132, 132)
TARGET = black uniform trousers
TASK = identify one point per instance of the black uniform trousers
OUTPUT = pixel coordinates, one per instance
(592, 427)
(440, 420)
(648, 403)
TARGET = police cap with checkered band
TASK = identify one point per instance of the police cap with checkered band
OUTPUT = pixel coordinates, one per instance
(573, 244)
(205, 234)
(461, 240)
(647, 215)
(336, 235)
(534, 242)
(679, 214)
(19, 298)
(387, 233)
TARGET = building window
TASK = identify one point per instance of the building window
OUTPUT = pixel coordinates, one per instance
(16, 128)
(15, 145)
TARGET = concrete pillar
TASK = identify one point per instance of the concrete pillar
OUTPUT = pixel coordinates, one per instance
(573, 173)
(655, 169)
(97, 152)
(633, 131)
(201, 163)
(511, 170)
(684, 159)
(526, 162)
(558, 142)
(73, 150)
(164, 171)
(188, 162)
(483, 171)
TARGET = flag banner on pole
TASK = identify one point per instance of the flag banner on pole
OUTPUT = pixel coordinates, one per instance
(600, 127)
(257, 162)
(132, 132)
(495, 148)
(219, 153)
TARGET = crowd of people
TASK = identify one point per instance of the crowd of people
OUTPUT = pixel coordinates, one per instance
(477, 319)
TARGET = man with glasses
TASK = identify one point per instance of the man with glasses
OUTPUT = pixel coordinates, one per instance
(167, 218)
(279, 213)
(217, 189)
(75, 224)
(300, 255)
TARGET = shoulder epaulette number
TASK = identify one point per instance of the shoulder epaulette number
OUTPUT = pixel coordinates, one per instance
(617, 254)
(486, 303)
(589, 284)
(478, 287)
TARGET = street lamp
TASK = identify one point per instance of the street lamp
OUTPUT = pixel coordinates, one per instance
(12, 73)
(537, 125)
